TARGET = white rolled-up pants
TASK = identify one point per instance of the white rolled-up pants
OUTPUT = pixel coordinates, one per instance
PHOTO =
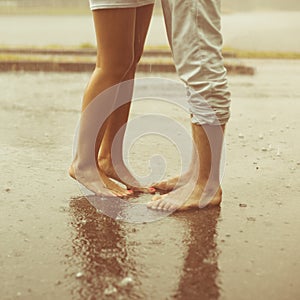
(194, 33)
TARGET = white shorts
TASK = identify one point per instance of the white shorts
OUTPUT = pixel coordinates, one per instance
(104, 4)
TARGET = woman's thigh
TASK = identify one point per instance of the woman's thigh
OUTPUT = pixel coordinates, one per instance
(143, 18)
(115, 33)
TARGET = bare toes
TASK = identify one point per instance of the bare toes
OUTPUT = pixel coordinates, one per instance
(154, 204)
(168, 206)
(119, 192)
(156, 198)
(161, 205)
(143, 190)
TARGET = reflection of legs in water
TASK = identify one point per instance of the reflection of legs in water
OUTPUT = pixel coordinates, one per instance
(207, 187)
(199, 278)
(98, 251)
(194, 35)
(117, 33)
(114, 167)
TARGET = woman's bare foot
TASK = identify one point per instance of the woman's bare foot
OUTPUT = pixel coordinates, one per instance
(175, 201)
(91, 178)
(121, 174)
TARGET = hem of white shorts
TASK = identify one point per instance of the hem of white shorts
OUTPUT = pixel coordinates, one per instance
(128, 5)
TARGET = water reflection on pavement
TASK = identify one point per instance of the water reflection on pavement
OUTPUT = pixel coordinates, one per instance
(123, 260)
(54, 248)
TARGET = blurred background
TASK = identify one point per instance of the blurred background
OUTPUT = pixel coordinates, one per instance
(259, 25)
(228, 5)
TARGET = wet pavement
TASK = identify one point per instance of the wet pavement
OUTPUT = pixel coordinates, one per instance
(53, 243)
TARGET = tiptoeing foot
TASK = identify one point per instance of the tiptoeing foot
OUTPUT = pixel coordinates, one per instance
(96, 181)
(121, 174)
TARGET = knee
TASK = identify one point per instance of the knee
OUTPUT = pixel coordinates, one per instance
(118, 68)
(136, 60)
(133, 67)
(137, 56)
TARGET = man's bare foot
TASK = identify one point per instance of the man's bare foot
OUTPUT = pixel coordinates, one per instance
(176, 201)
(122, 175)
(91, 178)
(172, 184)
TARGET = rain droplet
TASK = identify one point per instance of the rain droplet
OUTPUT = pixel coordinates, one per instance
(79, 275)
(126, 281)
(278, 153)
(110, 290)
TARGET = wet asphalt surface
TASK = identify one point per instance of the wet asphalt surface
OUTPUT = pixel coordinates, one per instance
(54, 244)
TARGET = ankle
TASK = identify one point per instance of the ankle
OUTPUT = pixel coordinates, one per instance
(106, 164)
(108, 161)
(81, 166)
(104, 159)
(209, 184)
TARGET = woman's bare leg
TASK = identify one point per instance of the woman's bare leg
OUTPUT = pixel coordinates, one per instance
(111, 162)
(115, 31)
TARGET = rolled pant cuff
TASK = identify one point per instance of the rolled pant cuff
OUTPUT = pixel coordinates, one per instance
(210, 112)
(214, 121)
